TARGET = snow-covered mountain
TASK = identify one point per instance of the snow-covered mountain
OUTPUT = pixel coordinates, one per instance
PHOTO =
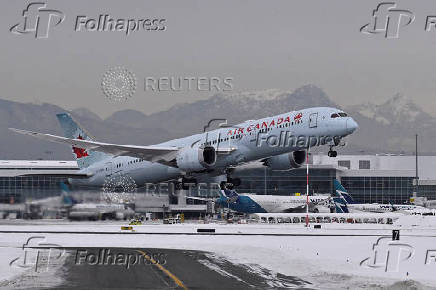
(397, 110)
(387, 127)
(183, 119)
(392, 125)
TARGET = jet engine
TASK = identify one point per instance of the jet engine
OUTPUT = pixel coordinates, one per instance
(196, 158)
(286, 161)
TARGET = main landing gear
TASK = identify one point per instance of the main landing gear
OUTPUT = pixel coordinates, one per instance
(230, 183)
(186, 183)
(332, 153)
(234, 181)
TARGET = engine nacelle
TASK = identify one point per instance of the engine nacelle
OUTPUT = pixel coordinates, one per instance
(286, 161)
(196, 159)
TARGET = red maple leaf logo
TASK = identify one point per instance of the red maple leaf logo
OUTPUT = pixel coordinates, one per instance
(80, 152)
(298, 116)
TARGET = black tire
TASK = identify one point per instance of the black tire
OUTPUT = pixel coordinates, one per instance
(235, 181)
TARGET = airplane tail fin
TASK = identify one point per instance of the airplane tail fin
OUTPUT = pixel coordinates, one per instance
(340, 205)
(342, 192)
(221, 192)
(73, 130)
(230, 195)
(67, 199)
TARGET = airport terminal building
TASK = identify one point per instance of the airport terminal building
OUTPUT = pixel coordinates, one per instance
(22, 180)
(369, 178)
(381, 178)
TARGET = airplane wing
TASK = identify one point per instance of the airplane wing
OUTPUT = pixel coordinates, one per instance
(200, 198)
(157, 154)
(60, 174)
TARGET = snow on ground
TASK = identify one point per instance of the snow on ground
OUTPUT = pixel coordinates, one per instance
(7, 272)
(355, 256)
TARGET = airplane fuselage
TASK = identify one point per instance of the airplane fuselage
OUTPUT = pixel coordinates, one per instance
(252, 140)
(379, 208)
(252, 203)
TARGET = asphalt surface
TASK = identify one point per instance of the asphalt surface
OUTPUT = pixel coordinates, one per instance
(121, 268)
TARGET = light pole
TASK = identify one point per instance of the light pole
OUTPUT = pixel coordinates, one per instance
(307, 186)
(415, 187)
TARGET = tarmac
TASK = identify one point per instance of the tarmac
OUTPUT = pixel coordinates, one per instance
(121, 268)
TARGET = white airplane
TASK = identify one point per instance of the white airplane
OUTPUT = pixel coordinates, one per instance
(422, 201)
(344, 204)
(94, 210)
(279, 141)
(253, 203)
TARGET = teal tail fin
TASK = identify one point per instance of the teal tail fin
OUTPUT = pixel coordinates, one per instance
(341, 198)
(66, 197)
(73, 130)
(342, 192)
(340, 205)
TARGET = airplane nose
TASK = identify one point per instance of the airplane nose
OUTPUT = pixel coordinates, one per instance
(351, 125)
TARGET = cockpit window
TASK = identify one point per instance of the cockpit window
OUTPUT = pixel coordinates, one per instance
(337, 115)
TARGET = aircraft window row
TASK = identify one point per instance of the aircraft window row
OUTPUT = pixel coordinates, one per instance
(290, 124)
(130, 162)
(337, 115)
(222, 140)
(239, 136)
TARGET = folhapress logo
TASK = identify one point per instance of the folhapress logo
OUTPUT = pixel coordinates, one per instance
(387, 20)
(387, 255)
(38, 20)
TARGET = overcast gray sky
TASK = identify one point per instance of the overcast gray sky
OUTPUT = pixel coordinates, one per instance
(260, 44)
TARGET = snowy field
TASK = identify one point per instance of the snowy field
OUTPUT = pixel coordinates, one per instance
(336, 256)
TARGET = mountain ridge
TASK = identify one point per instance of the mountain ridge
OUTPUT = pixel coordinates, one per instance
(385, 128)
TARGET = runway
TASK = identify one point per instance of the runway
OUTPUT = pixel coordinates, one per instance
(121, 268)
(75, 255)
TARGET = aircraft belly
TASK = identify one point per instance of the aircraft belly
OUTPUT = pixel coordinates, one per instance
(149, 173)
(154, 172)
